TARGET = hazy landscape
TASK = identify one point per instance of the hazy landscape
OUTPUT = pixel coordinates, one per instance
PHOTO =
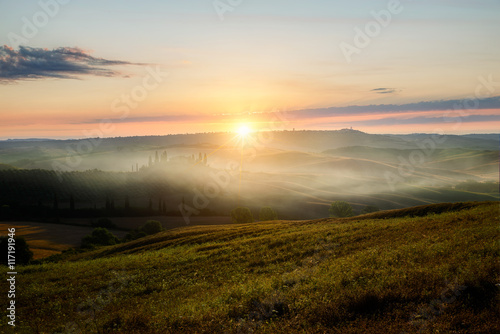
(237, 167)
(213, 275)
(212, 173)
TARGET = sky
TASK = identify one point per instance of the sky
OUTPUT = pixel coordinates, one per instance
(75, 68)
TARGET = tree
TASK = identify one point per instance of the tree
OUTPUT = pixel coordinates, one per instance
(341, 209)
(151, 227)
(267, 213)
(99, 237)
(163, 157)
(369, 209)
(241, 215)
(23, 253)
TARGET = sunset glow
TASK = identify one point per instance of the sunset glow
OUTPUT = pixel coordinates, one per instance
(244, 131)
(206, 72)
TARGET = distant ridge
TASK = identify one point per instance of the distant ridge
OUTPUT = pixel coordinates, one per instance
(28, 139)
(345, 131)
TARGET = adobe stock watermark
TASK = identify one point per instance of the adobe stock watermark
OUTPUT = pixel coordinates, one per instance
(418, 157)
(120, 108)
(223, 6)
(219, 181)
(372, 29)
(32, 26)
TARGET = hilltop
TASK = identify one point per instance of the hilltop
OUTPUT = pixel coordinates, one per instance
(431, 268)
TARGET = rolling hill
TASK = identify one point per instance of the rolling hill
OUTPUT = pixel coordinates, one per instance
(118, 154)
(313, 168)
(427, 269)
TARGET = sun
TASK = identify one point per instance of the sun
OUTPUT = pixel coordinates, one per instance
(244, 131)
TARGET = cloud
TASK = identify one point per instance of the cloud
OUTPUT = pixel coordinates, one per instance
(63, 63)
(440, 105)
(387, 114)
(384, 90)
(150, 119)
(429, 120)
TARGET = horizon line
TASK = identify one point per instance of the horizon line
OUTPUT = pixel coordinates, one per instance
(226, 132)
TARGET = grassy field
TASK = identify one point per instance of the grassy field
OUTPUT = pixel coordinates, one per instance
(431, 269)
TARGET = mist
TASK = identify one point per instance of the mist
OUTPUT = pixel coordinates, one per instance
(298, 173)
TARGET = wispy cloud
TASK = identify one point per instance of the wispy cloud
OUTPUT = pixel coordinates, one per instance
(426, 112)
(440, 105)
(428, 120)
(150, 119)
(64, 63)
(384, 90)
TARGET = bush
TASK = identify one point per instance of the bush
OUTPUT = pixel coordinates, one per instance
(134, 234)
(341, 209)
(267, 213)
(104, 222)
(99, 237)
(369, 209)
(151, 227)
(241, 216)
(23, 253)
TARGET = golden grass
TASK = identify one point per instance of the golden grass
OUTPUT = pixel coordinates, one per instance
(372, 274)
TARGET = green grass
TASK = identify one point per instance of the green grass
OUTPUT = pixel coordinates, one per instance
(378, 273)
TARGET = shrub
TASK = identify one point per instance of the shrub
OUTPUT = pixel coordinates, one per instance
(369, 209)
(267, 213)
(341, 209)
(134, 234)
(241, 215)
(151, 227)
(23, 253)
(99, 237)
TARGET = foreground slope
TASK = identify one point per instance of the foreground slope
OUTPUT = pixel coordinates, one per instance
(434, 268)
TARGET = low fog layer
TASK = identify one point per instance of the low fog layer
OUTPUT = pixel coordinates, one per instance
(299, 173)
